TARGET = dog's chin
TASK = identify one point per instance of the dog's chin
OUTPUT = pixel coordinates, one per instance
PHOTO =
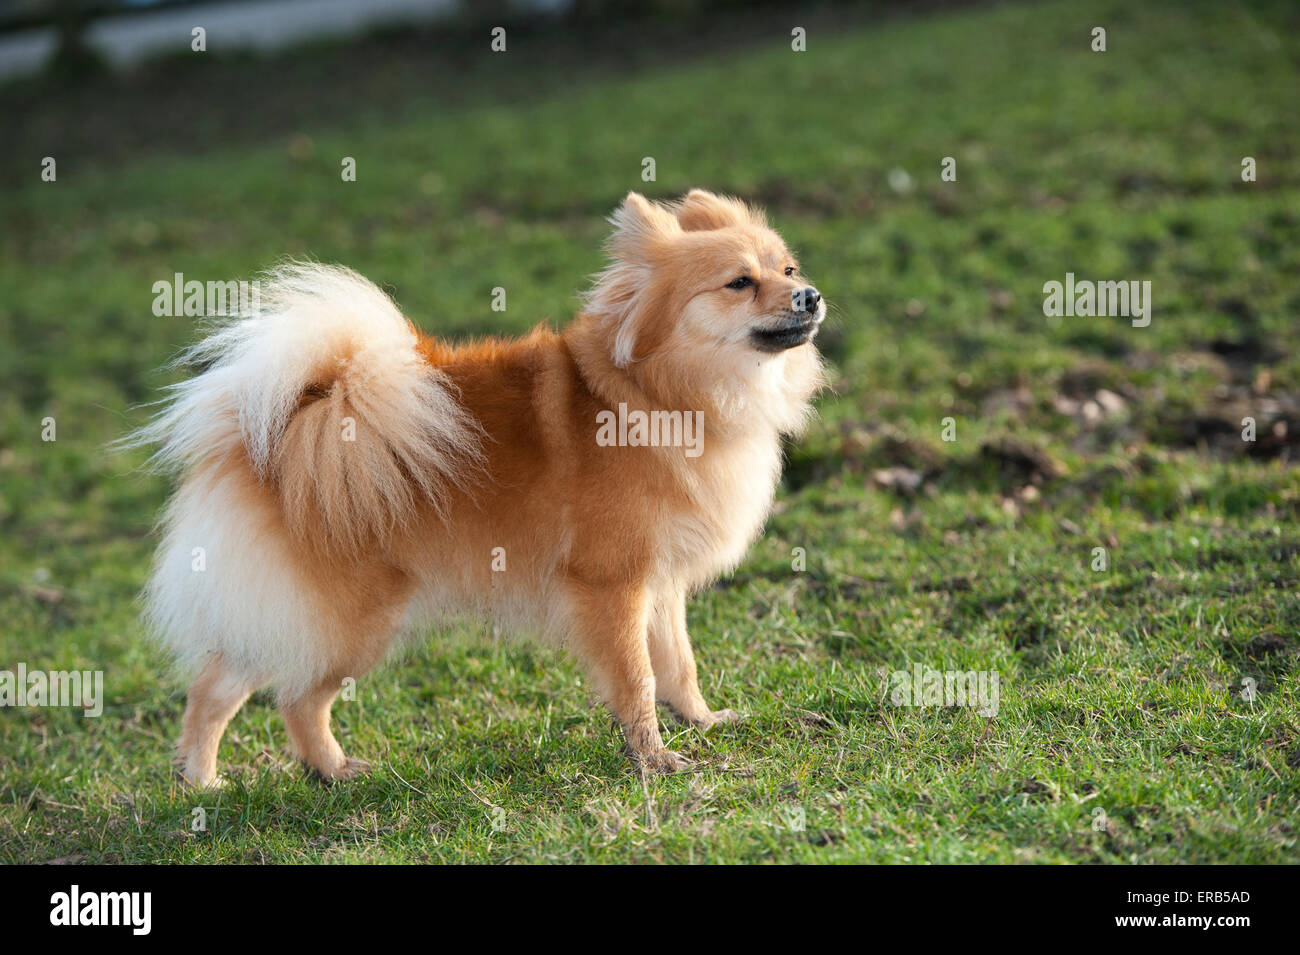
(790, 333)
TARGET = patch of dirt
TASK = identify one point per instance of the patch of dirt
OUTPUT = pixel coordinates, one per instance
(1269, 644)
(1019, 462)
(889, 446)
(1031, 633)
(1246, 392)
(1036, 789)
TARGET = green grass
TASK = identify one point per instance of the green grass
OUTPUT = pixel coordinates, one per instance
(1121, 690)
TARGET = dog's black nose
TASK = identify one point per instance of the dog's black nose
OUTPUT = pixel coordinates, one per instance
(805, 299)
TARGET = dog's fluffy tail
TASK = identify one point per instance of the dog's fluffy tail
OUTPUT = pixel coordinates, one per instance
(327, 394)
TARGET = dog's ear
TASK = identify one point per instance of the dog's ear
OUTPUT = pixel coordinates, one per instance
(639, 226)
(702, 210)
(641, 229)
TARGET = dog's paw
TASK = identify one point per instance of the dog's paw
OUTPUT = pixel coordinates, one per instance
(213, 782)
(714, 717)
(348, 769)
(722, 716)
(662, 761)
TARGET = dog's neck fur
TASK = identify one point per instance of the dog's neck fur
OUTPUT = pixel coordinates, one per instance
(734, 411)
(732, 484)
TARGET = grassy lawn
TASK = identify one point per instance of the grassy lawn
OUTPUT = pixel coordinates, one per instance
(1148, 711)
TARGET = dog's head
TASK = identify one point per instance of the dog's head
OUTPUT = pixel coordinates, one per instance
(703, 299)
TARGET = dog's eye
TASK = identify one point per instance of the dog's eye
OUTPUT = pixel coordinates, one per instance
(789, 270)
(743, 281)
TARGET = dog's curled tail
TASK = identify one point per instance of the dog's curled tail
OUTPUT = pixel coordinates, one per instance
(326, 392)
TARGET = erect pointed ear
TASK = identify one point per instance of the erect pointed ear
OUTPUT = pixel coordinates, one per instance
(639, 225)
(702, 210)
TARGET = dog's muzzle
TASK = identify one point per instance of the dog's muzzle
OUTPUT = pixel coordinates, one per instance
(799, 326)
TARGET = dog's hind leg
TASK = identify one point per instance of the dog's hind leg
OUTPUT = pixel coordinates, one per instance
(307, 717)
(366, 613)
(214, 697)
(307, 712)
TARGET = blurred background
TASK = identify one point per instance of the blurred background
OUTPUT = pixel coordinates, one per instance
(208, 139)
(477, 168)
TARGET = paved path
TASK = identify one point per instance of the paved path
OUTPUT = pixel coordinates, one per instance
(264, 25)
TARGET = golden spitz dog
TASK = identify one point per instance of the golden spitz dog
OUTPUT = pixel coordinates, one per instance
(348, 480)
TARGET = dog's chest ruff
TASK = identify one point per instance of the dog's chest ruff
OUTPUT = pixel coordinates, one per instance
(730, 497)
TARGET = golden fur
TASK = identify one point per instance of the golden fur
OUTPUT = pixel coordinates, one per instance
(346, 479)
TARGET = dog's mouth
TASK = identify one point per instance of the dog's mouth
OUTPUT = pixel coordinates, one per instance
(791, 333)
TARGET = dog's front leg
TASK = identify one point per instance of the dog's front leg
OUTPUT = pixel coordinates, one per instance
(610, 637)
(674, 662)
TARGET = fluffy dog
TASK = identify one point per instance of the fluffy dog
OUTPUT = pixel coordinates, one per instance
(347, 479)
